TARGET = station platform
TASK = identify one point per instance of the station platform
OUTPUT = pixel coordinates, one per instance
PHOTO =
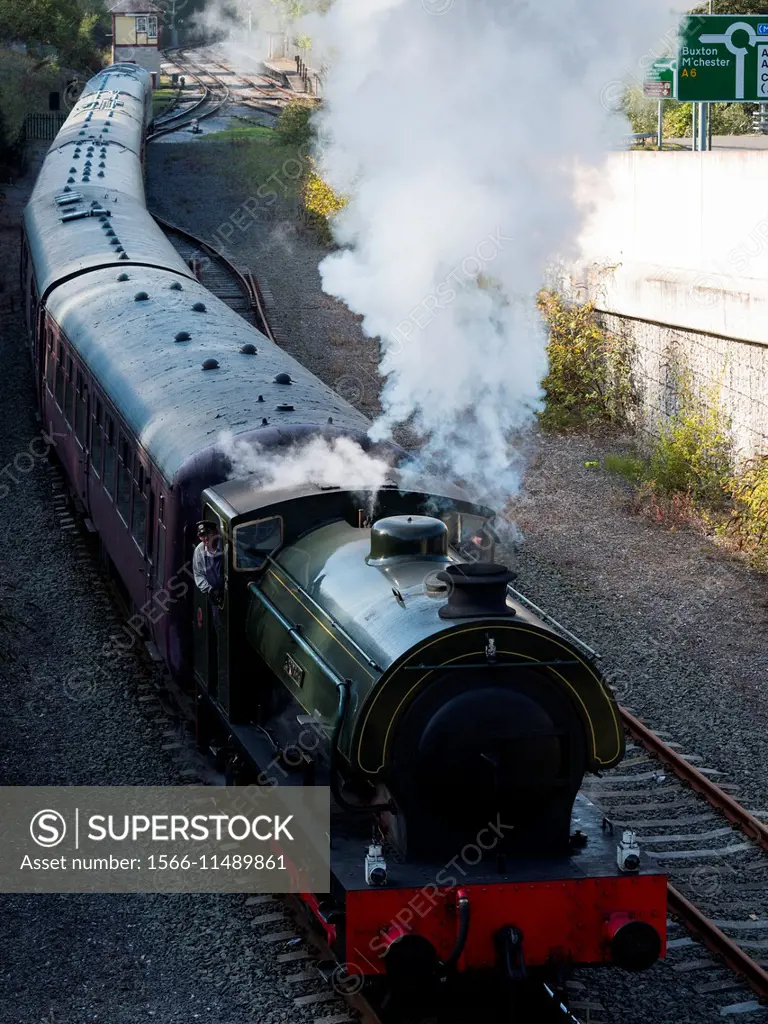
(285, 71)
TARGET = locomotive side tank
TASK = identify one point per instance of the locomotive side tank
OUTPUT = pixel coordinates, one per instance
(457, 696)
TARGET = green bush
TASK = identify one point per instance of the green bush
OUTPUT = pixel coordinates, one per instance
(727, 119)
(642, 112)
(693, 453)
(589, 383)
(747, 525)
(294, 125)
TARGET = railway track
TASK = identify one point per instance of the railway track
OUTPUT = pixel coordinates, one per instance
(213, 98)
(717, 878)
(268, 96)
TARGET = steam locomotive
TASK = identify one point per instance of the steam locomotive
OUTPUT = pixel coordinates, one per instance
(367, 640)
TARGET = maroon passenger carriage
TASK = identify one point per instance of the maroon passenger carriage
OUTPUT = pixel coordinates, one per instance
(439, 704)
(139, 368)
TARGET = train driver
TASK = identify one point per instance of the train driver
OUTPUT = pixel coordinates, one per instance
(207, 564)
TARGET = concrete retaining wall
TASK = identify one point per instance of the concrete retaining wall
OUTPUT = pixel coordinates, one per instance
(675, 254)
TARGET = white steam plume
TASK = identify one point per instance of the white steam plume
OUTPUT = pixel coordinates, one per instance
(338, 462)
(456, 127)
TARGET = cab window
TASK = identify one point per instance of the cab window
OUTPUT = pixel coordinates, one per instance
(255, 542)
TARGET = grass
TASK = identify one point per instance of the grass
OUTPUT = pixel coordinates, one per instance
(630, 467)
(161, 99)
(242, 133)
(256, 159)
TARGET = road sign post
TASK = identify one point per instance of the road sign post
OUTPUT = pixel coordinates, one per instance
(659, 84)
(723, 59)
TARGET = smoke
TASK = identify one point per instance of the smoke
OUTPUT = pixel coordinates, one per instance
(244, 29)
(336, 462)
(457, 128)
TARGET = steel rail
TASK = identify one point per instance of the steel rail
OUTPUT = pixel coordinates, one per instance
(718, 942)
(751, 826)
(697, 923)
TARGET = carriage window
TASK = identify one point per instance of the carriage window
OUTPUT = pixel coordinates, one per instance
(152, 27)
(139, 525)
(139, 531)
(254, 542)
(60, 379)
(69, 407)
(81, 415)
(109, 456)
(151, 519)
(50, 373)
(160, 574)
(96, 436)
(124, 481)
(141, 26)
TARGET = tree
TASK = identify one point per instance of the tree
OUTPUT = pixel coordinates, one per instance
(70, 26)
(292, 10)
(730, 7)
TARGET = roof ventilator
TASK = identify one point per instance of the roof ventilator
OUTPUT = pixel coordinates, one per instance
(123, 277)
(199, 307)
(183, 336)
(176, 286)
(140, 297)
(283, 378)
(248, 350)
(75, 215)
(211, 364)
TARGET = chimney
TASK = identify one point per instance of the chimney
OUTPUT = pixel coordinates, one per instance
(476, 590)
